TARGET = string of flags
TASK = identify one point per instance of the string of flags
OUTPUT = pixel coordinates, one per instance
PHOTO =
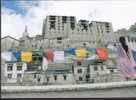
(126, 66)
(55, 55)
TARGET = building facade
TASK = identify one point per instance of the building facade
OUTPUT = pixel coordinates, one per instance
(9, 42)
(65, 31)
(14, 71)
(131, 40)
(60, 74)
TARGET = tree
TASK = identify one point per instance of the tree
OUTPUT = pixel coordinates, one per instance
(133, 28)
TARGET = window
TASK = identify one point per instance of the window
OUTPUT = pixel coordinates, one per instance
(87, 76)
(84, 44)
(79, 70)
(79, 63)
(9, 75)
(72, 26)
(48, 79)
(34, 58)
(34, 75)
(64, 19)
(59, 38)
(38, 79)
(95, 68)
(101, 67)
(107, 27)
(10, 67)
(111, 70)
(40, 58)
(65, 77)
(72, 18)
(52, 17)
(19, 75)
(55, 77)
(80, 78)
(19, 67)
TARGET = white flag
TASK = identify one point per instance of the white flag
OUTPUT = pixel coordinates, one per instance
(59, 56)
(7, 56)
(44, 64)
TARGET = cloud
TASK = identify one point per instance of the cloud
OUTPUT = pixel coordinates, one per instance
(120, 13)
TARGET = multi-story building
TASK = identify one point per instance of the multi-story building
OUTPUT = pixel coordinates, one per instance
(57, 30)
(14, 71)
(65, 31)
(81, 71)
(98, 72)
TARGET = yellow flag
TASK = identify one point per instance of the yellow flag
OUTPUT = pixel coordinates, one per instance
(81, 53)
(26, 56)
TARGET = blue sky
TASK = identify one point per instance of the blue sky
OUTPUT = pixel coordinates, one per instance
(17, 14)
(16, 5)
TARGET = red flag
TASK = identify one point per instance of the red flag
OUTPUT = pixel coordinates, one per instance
(102, 53)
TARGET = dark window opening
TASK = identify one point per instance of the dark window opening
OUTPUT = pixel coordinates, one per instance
(52, 22)
(64, 19)
(79, 63)
(84, 27)
(107, 25)
(65, 77)
(52, 25)
(19, 68)
(52, 18)
(38, 79)
(34, 58)
(40, 58)
(79, 70)
(72, 19)
(80, 78)
(72, 26)
(84, 44)
(59, 38)
(87, 78)
(111, 70)
(55, 77)
(10, 67)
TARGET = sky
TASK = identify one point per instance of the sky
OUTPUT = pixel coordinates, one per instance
(15, 14)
